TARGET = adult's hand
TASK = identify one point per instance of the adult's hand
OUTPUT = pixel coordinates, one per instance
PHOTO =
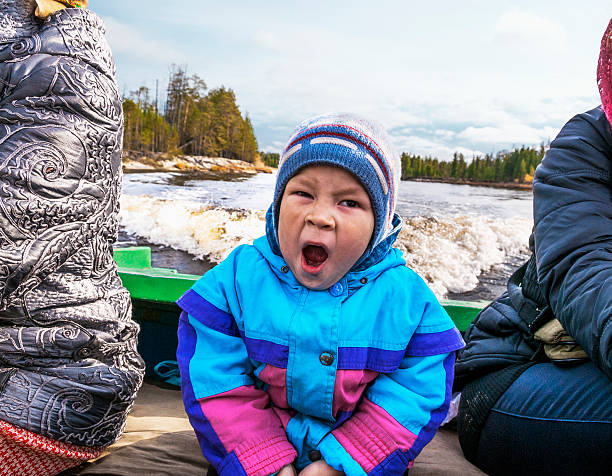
(45, 8)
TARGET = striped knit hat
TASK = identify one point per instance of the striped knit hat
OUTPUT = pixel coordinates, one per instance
(604, 72)
(360, 146)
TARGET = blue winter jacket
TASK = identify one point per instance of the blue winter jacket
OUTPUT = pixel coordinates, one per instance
(274, 373)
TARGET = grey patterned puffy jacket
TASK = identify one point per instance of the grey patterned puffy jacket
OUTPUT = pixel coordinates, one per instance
(69, 368)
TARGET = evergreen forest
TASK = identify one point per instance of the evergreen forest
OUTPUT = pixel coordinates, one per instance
(195, 121)
(517, 165)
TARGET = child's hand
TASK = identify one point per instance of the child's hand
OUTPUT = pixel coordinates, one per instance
(288, 470)
(320, 468)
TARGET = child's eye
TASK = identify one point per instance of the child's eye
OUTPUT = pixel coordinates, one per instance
(301, 193)
(349, 203)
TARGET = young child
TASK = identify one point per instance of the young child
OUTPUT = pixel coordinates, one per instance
(317, 343)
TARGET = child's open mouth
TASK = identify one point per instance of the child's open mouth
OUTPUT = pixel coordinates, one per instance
(313, 258)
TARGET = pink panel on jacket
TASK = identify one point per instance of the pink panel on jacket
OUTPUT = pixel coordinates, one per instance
(284, 415)
(259, 459)
(348, 388)
(239, 413)
(276, 378)
(371, 435)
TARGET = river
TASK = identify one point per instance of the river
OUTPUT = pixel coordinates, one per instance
(463, 240)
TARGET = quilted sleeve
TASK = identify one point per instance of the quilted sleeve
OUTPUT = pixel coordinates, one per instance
(573, 232)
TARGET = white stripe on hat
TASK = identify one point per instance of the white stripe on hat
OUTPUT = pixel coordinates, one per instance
(333, 140)
(350, 145)
(381, 177)
(288, 154)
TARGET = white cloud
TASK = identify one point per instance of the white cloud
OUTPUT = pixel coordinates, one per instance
(268, 40)
(530, 28)
(126, 39)
(395, 115)
(445, 134)
(517, 134)
(434, 148)
(275, 146)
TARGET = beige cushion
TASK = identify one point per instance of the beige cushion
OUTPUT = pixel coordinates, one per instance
(159, 440)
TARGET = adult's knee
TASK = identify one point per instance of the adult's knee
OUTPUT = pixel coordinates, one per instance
(549, 420)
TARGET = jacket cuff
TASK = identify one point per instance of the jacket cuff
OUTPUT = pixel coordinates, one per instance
(365, 440)
(338, 458)
(260, 458)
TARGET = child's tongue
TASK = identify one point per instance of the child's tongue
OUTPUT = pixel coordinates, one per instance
(314, 255)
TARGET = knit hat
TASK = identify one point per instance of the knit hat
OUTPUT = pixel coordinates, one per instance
(604, 72)
(358, 145)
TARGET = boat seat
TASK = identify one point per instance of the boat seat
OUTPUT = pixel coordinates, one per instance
(158, 440)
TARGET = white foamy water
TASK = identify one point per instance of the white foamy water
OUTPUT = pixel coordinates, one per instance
(450, 253)
(202, 231)
(452, 233)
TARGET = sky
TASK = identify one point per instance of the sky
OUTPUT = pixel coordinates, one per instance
(442, 76)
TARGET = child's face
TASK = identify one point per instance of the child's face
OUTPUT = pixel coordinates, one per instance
(325, 224)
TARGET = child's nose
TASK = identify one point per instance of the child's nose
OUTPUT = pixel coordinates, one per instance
(320, 216)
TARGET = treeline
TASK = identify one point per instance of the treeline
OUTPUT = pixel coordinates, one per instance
(517, 165)
(194, 121)
(269, 158)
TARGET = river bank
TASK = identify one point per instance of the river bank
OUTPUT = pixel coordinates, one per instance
(507, 185)
(160, 162)
(220, 168)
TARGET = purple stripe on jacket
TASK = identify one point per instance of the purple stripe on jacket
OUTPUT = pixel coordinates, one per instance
(438, 415)
(341, 417)
(383, 360)
(435, 343)
(221, 321)
(395, 463)
(208, 314)
(371, 358)
(267, 352)
(211, 446)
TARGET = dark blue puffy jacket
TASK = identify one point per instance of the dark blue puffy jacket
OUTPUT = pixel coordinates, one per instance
(573, 249)
(573, 232)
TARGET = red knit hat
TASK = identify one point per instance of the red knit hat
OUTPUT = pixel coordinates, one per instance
(604, 72)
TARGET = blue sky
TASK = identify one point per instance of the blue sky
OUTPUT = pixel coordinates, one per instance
(442, 76)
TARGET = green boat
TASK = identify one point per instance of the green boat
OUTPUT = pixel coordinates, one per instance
(155, 290)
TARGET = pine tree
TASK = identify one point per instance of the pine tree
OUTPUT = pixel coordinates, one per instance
(194, 122)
